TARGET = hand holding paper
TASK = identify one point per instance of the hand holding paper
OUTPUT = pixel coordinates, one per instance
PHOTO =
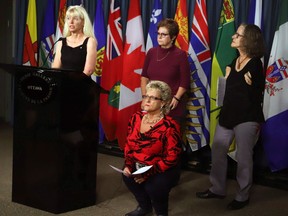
(137, 172)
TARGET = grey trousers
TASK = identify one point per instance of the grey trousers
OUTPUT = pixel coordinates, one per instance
(246, 135)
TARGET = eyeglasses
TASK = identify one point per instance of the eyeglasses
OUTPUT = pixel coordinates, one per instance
(238, 35)
(162, 34)
(152, 98)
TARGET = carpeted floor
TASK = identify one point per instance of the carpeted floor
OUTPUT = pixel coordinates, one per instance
(113, 199)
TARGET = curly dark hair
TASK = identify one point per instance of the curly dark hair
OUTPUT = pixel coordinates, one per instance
(253, 41)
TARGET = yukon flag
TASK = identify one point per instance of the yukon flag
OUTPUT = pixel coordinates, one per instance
(199, 96)
(274, 131)
(223, 55)
(156, 16)
(30, 50)
(47, 36)
(112, 71)
(61, 20)
(181, 17)
(133, 60)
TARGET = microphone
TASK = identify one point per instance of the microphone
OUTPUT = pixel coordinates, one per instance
(51, 51)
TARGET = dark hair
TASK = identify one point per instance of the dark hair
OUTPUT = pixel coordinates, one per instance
(253, 41)
(171, 25)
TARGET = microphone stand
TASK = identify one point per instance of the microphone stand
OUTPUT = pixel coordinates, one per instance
(51, 50)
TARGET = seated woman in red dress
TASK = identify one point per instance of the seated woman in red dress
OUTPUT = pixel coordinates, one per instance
(153, 139)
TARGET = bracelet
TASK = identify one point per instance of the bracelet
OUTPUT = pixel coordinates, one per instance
(176, 98)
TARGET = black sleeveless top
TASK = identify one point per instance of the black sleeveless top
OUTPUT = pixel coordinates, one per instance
(74, 58)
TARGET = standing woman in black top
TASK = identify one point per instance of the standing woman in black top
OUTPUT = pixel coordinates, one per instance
(240, 116)
(77, 50)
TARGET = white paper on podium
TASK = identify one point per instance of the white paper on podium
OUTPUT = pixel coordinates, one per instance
(139, 171)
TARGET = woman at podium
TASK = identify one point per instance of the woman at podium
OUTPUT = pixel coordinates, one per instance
(77, 49)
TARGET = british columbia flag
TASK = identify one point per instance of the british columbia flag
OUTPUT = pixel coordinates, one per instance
(200, 64)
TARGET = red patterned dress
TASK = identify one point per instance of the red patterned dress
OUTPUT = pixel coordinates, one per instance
(160, 146)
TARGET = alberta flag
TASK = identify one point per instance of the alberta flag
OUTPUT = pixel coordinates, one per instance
(47, 36)
(156, 16)
(274, 131)
(199, 97)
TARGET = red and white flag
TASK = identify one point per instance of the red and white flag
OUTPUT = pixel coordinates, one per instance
(112, 72)
(133, 60)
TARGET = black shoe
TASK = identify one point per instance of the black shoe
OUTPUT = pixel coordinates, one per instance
(139, 212)
(234, 205)
(208, 194)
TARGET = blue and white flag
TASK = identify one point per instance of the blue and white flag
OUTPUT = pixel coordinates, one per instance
(275, 106)
(156, 16)
(47, 36)
(199, 97)
(255, 13)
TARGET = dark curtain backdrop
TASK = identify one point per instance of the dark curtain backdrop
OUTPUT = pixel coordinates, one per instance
(241, 8)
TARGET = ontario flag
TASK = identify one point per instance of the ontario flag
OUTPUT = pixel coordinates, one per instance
(275, 106)
(30, 50)
(47, 36)
(61, 19)
(156, 16)
(133, 60)
(112, 72)
(181, 17)
(199, 96)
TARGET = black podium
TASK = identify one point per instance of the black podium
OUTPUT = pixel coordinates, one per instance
(55, 138)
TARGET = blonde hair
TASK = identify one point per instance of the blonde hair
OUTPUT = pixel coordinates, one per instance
(165, 93)
(78, 11)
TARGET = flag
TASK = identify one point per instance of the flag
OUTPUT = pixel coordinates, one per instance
(199, 96)
(100, 34)
(275, 106)
(223, 55)
(156, 16)
(112, 71)
(61, 19)
(47, 36)
(30, 50)
(255, 13)
(133, 60)
(181, 17)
